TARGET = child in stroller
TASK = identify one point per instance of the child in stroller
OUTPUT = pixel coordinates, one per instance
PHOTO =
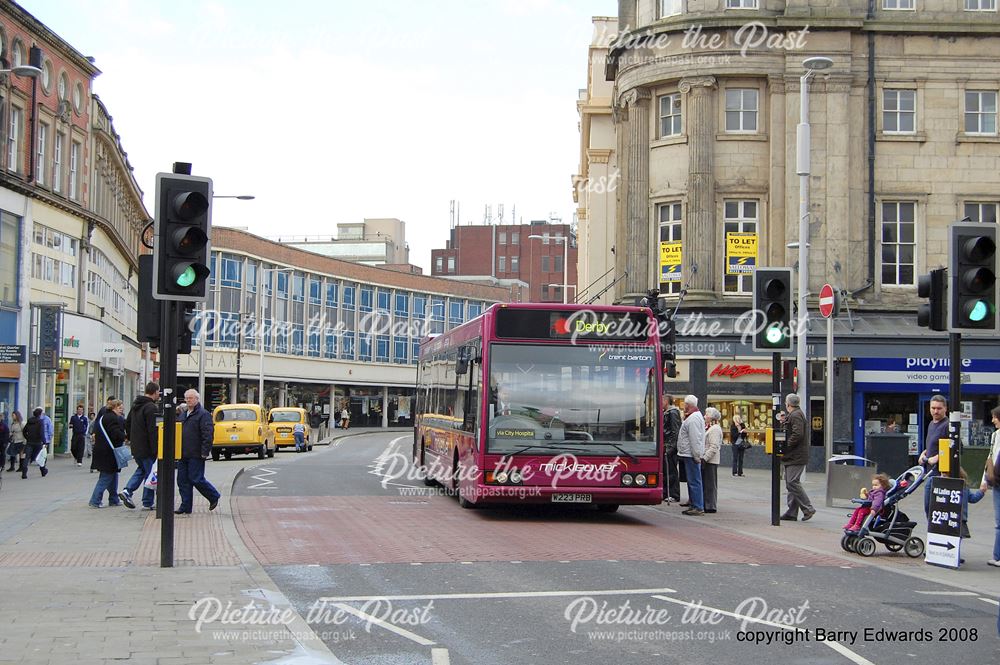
(873, 498)
(890, 525)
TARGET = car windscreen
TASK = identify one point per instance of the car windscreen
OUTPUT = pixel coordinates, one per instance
(285, 417)
(227, 415)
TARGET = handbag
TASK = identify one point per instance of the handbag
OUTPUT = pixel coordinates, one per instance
(991, 465)
(122, 453)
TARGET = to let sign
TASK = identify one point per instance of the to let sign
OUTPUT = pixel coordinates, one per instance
(12, 353)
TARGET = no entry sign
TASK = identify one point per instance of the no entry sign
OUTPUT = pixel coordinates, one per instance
(827, 302)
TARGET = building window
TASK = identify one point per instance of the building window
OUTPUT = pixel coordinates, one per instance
(43, 137)
(545, 264)
(514, 263)
(899, 111)
(330, 350)
(282, 287)
(74, 161)
(740, 217)
(399, 347)
(451, 264)
(349, 298)
(14, 139)
(980, 5)
(347, 352)
(980, 112)
(671, 230)
(364, 347)
(898, 242)
(455, 309)
(331, 294)
(232, 270)
(502, 264)
(558, 260)
(367, 299)
(439, 264)
(298, 288)
(57, 150)
(670, 115)
(402, 308)
(419, 307)
(545, 292)
(515, 238)
(502, 237)
(741, 4)
(9, 263)
(671, 8)
(383, 300)
(741, 110)
(897, 4)
(382, 348)
(982, 212)
(545, 238)
(315, 289)
(415, 351)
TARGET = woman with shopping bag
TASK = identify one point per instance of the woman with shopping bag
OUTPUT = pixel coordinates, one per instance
(109, 433)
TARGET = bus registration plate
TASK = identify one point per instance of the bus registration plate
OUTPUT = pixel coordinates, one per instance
(571, 498)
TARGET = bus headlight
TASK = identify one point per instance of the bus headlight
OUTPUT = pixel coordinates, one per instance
(640, 479)
(627, 479)
(502, 477)
(515, 477)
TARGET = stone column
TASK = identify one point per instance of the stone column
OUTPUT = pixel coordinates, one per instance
(633, 227)
(702, 233)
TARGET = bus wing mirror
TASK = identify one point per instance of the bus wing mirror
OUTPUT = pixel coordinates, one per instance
(462, 364)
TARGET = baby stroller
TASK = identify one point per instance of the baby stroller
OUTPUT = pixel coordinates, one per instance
(890, 526)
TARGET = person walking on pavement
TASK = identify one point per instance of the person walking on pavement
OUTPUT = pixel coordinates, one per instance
(93, 426)
(671, 428)
(89, 447)
(738, 439)
(345, 418)
(710, 462)
(197, 431)
(141, 428)
(110, 433)
(690, 450)
(34, 437)
(48, 430)
(15, 451)
(4, 441)
(936, 429)
(794, 460)
(78, 425)
(995, 456)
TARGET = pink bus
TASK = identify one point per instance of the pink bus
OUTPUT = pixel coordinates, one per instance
(543, 403)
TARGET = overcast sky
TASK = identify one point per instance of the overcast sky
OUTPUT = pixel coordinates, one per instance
(333, 111)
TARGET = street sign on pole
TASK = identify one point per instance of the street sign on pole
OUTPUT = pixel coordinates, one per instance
(13, 354)
(828, 302)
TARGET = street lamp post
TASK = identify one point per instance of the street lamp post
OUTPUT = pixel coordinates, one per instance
(565, 241)
(260, 329)
(811, 65)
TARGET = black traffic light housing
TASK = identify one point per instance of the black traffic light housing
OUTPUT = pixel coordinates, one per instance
(934, 287)
(666, 329)
(972, 281)
(181, 237)
(772, 301)
(150, 310)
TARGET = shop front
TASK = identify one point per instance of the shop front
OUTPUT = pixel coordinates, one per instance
(893, 395)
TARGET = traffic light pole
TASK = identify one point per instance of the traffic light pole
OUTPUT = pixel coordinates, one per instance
(775, 463)
(955, 399)
(165, 472)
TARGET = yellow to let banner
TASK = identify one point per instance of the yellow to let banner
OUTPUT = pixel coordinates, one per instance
(670, 260)
(741, 253)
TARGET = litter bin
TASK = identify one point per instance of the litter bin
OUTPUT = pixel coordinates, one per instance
(890, 452)
(845, 476)
(843, 447)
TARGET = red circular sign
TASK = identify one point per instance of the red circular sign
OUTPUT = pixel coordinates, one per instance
(827, 301)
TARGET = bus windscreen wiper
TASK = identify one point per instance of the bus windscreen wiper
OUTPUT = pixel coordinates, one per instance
(631, 457)
(527, 448)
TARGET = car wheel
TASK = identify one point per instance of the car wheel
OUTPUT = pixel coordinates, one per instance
(228, 455)
(215, 455)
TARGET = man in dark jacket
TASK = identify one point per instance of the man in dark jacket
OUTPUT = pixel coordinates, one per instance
(79, 424)
(671, 426)
(197, 432)
(34, 438)
(795, 459)
(141, 428)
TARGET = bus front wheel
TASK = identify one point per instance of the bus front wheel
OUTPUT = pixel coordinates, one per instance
(428, 481)
(607, 508)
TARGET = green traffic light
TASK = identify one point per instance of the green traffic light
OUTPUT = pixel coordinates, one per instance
(979, 311)
(186, 278)
(774, 334)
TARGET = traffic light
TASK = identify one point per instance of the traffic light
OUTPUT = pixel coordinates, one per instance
(972, 287)
(181, 247)
(933, 285)
(186, 322)
(772, 301)
(665, 328)
(149, 308)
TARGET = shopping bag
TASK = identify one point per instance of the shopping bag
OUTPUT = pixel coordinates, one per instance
(150, 482)
(41, 457)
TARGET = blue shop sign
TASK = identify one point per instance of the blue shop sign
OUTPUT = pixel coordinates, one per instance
(924, 374)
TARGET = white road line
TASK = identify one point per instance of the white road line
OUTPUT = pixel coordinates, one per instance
(440, 657)
(264, 483)
(402, 632)
(508, 594)
(836, 646)
(948, 593)
(990, 601)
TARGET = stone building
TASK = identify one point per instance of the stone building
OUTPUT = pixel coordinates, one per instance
(705, 103)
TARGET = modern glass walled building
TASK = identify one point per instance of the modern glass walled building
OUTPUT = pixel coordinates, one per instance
(334, 333)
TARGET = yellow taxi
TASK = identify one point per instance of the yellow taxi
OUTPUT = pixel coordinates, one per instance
(241, 429)
(283, 421)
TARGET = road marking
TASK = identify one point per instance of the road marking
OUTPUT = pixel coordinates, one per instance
(440, 657)
(948, 593)
(836, 646)
(990, 601)
(402, 632)
(508, 594)
(264, 483)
